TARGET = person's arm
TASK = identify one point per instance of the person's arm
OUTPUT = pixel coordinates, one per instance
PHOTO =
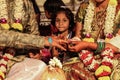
(20, 40)
(93, 46)
(79, 19)
(77, 46)
(78, 29)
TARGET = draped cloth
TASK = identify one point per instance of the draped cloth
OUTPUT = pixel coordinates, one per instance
(29, 69)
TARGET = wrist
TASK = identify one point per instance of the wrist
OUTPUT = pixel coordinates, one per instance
(100, 46)
(89, 44)
(92, 45)
(48, 41)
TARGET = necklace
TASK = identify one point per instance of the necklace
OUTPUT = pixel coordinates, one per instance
(109, 20)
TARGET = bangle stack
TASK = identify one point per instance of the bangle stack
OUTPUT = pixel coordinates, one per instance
(100, 46)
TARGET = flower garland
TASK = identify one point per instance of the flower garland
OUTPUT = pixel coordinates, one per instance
(109, 20)
(3, 64)
(18, 15)
(55, 63)
(102, 69)
(3, 9)
(3, 15)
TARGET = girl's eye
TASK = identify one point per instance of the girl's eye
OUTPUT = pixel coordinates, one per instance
(57, 20)
(64, 20)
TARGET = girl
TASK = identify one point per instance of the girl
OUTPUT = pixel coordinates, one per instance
(64, 22)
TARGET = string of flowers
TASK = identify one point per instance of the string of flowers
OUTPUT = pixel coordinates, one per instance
(55, 63)
(18, 14)
(109, 20)
(3, 9)
(3, 65)
(102, 68)
(89, 17)
(18, 9)
(3, 15)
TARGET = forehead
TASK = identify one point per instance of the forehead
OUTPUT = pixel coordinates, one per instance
(61, 14)
(99, 0)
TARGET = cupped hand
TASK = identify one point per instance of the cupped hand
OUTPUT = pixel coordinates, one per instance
(59, 43)
(77, 46)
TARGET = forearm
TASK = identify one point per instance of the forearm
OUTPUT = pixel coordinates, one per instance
(94, 46)
(20, 40)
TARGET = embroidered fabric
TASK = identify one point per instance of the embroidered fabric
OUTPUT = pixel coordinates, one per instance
(115, 41)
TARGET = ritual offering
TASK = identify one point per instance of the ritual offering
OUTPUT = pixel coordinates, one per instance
(53, 71)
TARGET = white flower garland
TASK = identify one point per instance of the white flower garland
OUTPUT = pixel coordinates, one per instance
(3, 9)
(18, 9)
(55, 63)
(109, 20)
(18, 14)
(89, 17)
(3, 64)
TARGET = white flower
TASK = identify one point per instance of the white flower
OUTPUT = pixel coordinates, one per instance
(92, 65)
(18, 9)
(107, 59)
(55, 62)
(3, 9)
(89, 57)
(9, 56)
(3, 69)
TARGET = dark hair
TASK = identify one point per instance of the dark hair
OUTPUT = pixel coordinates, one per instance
(34, 51)
(68, 14)
(52, 5)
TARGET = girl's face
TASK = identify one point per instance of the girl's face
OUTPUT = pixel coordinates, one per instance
(62, 22)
